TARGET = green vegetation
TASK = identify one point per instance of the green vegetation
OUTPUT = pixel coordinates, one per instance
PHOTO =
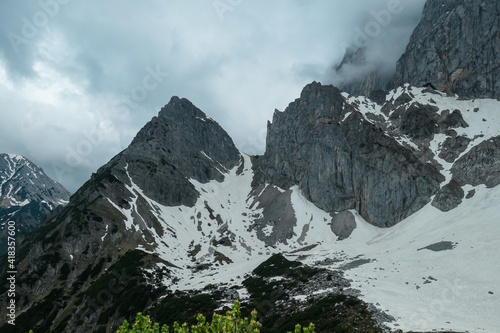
(231, 322)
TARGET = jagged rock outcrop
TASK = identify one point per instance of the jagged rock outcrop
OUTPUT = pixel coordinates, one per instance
(455, 48)
(27, 194)
(341, 161)
(357, 77)
(449, 196)
(453, 147)
(481, 165)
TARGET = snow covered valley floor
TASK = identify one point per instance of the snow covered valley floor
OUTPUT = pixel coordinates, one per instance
(432, 271)
(424, 289)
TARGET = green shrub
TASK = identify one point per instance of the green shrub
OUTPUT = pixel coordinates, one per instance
(231, 322)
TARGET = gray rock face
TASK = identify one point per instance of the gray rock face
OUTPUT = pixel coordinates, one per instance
(455, 47)
(182, 143)
(340, 161)
(481, 165)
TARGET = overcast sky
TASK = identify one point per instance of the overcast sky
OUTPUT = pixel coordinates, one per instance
(78, 79)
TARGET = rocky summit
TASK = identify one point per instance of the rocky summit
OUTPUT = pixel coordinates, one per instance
(455, 48)
(27, 194)
(374, 213)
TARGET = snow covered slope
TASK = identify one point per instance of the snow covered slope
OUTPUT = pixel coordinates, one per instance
(21, 181)
(480, 116)
(202, 215)
(434, 270)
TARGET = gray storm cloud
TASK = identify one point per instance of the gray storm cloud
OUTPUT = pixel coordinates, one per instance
(70, 67)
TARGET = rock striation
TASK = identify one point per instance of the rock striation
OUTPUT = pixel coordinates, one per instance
(455, 48)
(341, 161)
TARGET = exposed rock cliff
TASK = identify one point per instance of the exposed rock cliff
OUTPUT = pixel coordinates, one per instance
(341, 161)
(456, 48)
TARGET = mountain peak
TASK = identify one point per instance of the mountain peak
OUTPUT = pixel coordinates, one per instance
(26, 194)
(182, 143)
(18, 171)
(181, 108)
(318, 90)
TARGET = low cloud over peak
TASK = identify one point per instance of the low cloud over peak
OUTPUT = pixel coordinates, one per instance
(72, 69)
(376, 41)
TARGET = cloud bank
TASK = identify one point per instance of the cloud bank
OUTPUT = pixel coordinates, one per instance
(78, 79)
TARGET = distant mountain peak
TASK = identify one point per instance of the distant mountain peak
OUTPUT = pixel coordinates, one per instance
(20, 178)
(13, 156)
(27, 194)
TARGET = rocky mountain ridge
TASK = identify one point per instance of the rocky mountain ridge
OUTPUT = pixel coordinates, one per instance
(191, 211)
(359, 77)
(377, 210)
